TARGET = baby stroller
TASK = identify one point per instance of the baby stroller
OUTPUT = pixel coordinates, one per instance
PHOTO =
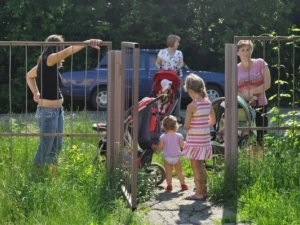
(166, 83)
(246, 118)
(149, 133)
(151, 111)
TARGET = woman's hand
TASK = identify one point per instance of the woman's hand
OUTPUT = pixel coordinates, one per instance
(54, 58)
(246, 94)
(95, 43)
(36, 97)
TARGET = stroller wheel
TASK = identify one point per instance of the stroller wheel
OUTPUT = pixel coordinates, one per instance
(243, 141)
(157, 173)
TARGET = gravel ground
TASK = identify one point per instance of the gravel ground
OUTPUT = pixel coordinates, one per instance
(169, 208)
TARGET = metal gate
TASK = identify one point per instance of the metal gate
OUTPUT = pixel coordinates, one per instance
(123, 118)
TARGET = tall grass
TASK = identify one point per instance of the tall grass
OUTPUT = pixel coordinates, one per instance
(272, 195)
(268, 181)
(81, 194)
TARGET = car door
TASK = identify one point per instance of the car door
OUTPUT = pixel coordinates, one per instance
(145, 74)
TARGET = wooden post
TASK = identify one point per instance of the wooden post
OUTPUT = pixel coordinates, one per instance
(231, 125)
(115, 121)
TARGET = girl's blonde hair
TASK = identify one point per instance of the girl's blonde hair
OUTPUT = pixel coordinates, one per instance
(171, 39)
(170, 123)
(196, 84)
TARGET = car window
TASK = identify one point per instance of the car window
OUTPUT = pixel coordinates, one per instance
(152, 60)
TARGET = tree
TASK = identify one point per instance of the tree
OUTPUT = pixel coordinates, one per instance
(205, 26)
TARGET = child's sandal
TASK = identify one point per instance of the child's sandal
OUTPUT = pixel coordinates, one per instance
(169, 188)
(184, 187)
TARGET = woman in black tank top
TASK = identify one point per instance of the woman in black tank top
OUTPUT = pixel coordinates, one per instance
(44, 81)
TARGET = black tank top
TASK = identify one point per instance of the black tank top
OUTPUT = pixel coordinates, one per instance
(48, 78)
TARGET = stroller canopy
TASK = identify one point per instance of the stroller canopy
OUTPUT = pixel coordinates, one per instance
(168, 75)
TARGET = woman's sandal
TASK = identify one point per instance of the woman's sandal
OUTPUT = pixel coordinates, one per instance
(195, 198)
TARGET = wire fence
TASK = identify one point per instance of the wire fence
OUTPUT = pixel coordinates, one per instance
(282, 112)
(18, 118)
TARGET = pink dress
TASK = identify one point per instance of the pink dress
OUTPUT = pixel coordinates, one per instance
(198, 140)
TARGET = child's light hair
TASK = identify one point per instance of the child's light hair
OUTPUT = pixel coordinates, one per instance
(196, 84)
(170, 123)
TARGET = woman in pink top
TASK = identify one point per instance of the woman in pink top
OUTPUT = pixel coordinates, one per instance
(171, 142)
(253, 81)
(199, 116)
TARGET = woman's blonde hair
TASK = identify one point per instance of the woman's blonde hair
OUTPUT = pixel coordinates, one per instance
(242, 43)
(170, 123)
(196, 84)
(171, 39)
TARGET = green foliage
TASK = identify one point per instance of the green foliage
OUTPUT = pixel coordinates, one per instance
(270, 191)
(14, 98)
(268, 181)
(82, 194)
(204, 26)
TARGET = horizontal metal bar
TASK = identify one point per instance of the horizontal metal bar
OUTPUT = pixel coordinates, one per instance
(39, 43)
(269, 128)
(266, 38)
(130, 44)
(11, 134)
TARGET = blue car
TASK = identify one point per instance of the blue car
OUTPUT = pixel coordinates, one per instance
(92, 84)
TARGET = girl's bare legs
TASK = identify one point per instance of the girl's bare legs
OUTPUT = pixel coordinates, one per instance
(200, 177)
(179, 173)
(169, 170)
(203, 178)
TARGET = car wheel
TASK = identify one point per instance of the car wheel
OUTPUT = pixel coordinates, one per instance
(213, 92)
(99, 98)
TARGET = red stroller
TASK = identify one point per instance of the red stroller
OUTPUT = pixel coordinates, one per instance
(166, 83)
(151, 111)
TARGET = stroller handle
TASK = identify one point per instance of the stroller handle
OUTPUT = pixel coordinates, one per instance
(101, 127)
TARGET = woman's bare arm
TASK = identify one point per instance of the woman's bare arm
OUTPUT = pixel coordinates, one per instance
(54, 58)
(31, 81)
(158, 62)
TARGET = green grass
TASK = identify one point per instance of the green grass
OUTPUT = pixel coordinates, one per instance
(272, 193)
(82, 194)
(268, 184)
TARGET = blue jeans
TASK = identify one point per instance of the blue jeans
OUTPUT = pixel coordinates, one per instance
(50, 120)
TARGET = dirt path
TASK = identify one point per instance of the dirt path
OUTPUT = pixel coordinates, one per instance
(169, 208)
